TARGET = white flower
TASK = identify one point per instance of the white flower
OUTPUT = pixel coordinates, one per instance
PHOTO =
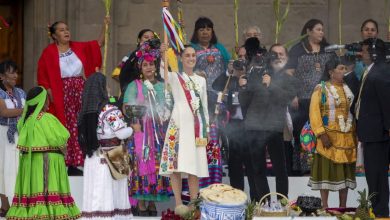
(345, 126)
(149, 85)
(195, 103)
(335, 95)
(348, 94)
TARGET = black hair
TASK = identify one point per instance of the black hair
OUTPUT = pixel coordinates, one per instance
(253, 47)
(185, 47)
(331, 64)
(6, 66)
(310, 25)
(141, 33)
(53, 28)
(370, 21)
(32, 93)
(204, 22)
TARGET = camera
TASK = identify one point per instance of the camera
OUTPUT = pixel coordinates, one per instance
(378, 49)
(262, 62)
(239, 64)
(155, 43)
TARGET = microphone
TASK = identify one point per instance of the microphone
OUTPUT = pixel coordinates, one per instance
(334, 47)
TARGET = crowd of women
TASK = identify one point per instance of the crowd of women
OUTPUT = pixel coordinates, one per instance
(69, 125)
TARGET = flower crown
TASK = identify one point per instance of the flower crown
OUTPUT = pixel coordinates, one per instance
(148, 51)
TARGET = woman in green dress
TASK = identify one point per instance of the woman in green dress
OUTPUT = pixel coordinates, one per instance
(42, 187)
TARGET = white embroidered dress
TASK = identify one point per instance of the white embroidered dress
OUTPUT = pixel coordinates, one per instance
(104, 197)
(180, 153)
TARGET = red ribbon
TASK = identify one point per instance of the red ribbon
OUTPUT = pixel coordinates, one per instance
(189, 99)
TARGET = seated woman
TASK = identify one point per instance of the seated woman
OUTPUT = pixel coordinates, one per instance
(101, 127)
(42, 185)
(333, 167)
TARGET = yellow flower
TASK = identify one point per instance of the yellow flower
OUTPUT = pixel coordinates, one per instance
(172, 131)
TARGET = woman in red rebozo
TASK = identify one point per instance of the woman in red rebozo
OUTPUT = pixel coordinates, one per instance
(62, 69)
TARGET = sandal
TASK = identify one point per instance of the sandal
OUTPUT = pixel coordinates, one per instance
(152, 210)
(142, 212)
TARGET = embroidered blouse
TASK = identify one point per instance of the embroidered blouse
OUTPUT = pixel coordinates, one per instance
(70, 65)
(111, 124)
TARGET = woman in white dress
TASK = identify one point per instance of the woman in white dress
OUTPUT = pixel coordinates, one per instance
(184, 151)
(12, 100)
(101, 127)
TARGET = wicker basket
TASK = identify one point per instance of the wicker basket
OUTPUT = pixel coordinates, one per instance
(259, 212)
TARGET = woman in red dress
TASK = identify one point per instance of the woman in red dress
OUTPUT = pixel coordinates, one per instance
(62, 69)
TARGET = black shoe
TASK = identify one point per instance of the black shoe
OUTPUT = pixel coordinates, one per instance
(152, 212)
(73, 171)
(134, 211)
(143, 212)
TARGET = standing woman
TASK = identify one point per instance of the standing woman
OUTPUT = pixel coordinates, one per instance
(42, 188)
(212, 57)
(184, 151)
(369, 29)
(101, 127)
(146, 185)
(62, 69)
(332, 122)
(12, 100)
(306, 62)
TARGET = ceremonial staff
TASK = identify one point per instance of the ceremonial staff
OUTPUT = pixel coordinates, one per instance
(107, 5)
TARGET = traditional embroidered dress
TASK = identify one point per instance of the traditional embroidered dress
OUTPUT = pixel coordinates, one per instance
(104, 197)
(333, 168)
(213, 62)
(184, 147)
(63, 74)
(42, 186)
(146, 147)
(9, 155)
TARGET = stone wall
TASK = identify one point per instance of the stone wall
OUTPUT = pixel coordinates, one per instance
(85, 18)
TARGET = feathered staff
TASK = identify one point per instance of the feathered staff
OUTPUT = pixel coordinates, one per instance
(280, 19)
(172, 32)
(107, 5)
(181, 19)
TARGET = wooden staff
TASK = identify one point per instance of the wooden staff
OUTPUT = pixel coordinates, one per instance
(235, 50)
(107, 5)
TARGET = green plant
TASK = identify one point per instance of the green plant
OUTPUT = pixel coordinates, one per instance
(250, 210)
